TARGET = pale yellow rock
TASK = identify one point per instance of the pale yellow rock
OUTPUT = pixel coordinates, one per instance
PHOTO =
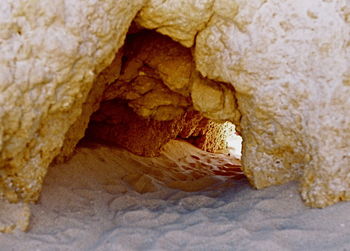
(215, 100)
(160, 81)
(155, 78)
(288, 61)
(180, 19)
(162, 58)
(50, 53)
(77, 131)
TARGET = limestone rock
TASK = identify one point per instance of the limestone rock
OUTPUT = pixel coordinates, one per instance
(289, 63)
(77, 131)
(116, 123)
(160, 81)
(215, 100)
(155, 77)
(181, 19)
(149, 97)
(50, 55)
(208, 135)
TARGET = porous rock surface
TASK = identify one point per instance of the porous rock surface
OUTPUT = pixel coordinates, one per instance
(117, 124)
(287, 60)
(289, 63)
(77, 130)
(51, 52)
(180, 19)
(208, 135)
(152, 100)
(159, 80)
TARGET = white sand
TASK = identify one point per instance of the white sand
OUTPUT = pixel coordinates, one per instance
(90, 203)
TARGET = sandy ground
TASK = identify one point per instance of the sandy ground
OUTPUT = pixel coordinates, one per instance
(108, 199)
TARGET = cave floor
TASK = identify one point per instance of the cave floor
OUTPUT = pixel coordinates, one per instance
(105, 198)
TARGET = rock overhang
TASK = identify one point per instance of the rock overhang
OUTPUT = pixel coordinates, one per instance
(288, 61)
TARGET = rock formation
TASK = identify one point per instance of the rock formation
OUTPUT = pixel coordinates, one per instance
(289, 63)
(116, 123)
(287, 60)
(159, 85)
(77, 130)
(50, 56)
(208, 135)
(159, 80)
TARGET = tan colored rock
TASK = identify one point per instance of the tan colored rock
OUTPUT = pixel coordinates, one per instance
(208, 135)
(50, 56)
(77, 131)
(288, 61)
(181, 19)
(159, 80)
(156, 76)
(171, 62)
(149, 97)
(215, 100)
(116, 123)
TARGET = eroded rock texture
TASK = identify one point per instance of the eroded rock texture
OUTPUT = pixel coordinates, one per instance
(50, 53)
(287, 60)
(208, 135)
(116, 123)
(289, 63)
(77, 130)
(159, 80)
(180, 19)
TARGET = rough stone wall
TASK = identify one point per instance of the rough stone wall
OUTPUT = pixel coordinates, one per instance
(289, 63)
(50, 55)
(180, 19)
(117, 124)
(208, 135)
(77, 130)
(159, 80)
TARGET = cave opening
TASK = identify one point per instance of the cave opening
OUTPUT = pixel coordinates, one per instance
(176, 124)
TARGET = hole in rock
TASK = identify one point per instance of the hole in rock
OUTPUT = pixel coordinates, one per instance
(171, 131)
(165, 152)
(152, 122)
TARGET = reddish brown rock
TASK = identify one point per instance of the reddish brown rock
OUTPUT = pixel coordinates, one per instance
(116, 123)
(209, 135)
